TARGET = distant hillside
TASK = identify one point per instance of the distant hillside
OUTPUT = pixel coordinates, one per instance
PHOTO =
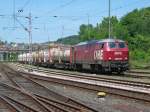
(74, 39)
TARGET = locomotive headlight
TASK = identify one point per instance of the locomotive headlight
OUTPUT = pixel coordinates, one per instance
(126, 58)
(109, 58)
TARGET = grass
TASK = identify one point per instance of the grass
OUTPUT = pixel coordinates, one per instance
(139, 64)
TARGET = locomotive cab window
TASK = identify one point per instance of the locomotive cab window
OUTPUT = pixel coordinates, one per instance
(112, 45)
(101, 45)
(121, 45)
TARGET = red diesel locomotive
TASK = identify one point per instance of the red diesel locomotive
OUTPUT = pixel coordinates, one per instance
(110, 55)
(107, 55)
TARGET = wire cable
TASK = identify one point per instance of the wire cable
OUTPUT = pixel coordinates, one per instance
(60, 7)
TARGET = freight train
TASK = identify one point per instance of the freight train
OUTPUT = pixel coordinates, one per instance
(107, 55)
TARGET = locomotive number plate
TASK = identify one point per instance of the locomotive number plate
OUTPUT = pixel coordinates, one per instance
(98, 54)
(118, 53)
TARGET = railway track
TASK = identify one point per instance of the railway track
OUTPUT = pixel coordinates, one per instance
(20, 93)
(129, 74)
(89, 76)
(138, 74)
(132, 89)
(140, 71)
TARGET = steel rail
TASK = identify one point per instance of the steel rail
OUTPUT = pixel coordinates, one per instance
(57, 108)
(100, 78)
(12, 107)
(96, 78)
(132, 94)
(62, 104)
(139, 71)
(54, 94)
(134, 83)
(140, 95)
(125, 75)
(18, 105)
(52, 106)
(38, 104)
(138, 74)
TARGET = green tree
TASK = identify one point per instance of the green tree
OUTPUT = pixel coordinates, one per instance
(86, 32)
(137, 22)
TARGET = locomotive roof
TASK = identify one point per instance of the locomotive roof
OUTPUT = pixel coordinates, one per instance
(99, 41)
(110, 40)
(87, 42)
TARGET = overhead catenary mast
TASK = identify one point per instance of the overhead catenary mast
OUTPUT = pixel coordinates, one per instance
(30, 35)
(29, 30)
(109, 27)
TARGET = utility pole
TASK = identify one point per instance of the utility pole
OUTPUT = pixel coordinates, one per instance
(47, 32)
(29, 30)
(30, 37)
(62, 33)
(109, 30)
(48, 36)
(88, 26)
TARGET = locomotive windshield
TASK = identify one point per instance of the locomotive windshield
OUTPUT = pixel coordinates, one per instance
(121, 45)
(112, 45)
(116, 45)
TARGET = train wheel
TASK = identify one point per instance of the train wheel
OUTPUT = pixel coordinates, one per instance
(92, 68)
(120, 73)
(79, 67)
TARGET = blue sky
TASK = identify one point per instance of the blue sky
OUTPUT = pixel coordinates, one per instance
(70, 15)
